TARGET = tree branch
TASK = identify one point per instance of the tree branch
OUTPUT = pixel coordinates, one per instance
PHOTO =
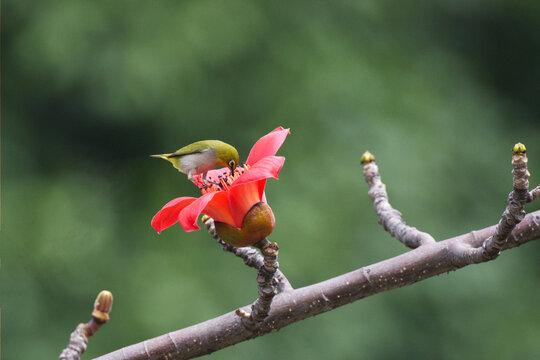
(428, 259)
(514, 212)
(269, 278)
(292, 306)
(251, 257)
(389, 217)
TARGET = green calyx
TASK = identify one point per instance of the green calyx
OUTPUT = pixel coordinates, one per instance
(258, 223)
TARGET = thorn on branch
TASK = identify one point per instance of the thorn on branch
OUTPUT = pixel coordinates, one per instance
(79, 338)
(390, 218)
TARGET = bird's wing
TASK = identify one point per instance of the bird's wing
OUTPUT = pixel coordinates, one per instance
(196, 147)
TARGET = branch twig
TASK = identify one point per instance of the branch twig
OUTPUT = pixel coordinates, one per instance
(514, 212)
(389, 217)
(79, 338)
(251, 257)
(267, 283)
(269, 278)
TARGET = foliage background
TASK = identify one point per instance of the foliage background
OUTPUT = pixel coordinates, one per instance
(438, 91)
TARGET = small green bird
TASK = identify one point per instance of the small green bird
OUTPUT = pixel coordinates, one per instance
(201, 156)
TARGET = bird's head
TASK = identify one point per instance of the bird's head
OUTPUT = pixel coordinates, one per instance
(227, 156)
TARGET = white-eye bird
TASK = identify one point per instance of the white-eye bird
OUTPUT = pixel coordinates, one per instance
(201, 156)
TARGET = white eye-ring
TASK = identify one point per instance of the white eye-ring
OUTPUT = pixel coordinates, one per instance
(232, 163)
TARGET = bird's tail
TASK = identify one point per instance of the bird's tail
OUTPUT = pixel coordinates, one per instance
(173, 160)
(161, 156)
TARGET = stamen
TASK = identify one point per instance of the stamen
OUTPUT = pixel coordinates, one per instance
(224, 185)
(223, 182)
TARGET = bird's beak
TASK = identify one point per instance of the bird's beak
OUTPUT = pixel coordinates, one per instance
(232, 170)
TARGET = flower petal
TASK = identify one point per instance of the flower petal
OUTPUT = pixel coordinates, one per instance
(218, 208)
(189, 215)
(212, 175)
(263, 169)
(243, 197)
(268, 145)
(168, 215)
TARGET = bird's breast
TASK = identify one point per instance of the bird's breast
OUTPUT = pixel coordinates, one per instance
(198, 163)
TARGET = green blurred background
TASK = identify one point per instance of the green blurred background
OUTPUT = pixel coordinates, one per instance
(439, 91)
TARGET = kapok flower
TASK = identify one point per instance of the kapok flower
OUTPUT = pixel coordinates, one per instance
(229, 198)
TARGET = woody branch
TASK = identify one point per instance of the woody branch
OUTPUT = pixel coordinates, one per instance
(270, 279)
(428, 259)
(78, 340)
(251, 257)
(389, 217)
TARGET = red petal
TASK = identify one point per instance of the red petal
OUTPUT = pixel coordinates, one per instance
(268, 145)
(189, 215)
(168, 215)
(215, 174)
(243, 197)
(265, 168)
(218, 208)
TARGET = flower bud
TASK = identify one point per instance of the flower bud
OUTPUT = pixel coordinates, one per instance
(367, 157)
(103, 306)
(519, 148)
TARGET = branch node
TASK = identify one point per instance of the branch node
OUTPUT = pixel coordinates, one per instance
(243, 314)
(534, 194)
(366, 272)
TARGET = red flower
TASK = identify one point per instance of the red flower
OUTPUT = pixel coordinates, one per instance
(234, 196)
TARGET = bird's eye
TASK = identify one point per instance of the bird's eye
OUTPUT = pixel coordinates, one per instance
(232, 163)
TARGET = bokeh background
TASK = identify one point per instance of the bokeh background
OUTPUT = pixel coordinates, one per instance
(439, 91)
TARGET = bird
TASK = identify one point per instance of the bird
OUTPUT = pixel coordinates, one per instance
(202, 156)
